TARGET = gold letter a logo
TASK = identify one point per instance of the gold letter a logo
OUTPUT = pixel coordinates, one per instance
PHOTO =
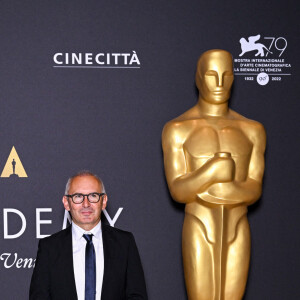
(13, 166)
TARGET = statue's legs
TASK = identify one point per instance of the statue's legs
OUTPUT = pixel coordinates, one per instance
(215, 271)
(197, 260)
(237, 262)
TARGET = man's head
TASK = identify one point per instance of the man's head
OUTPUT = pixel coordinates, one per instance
(86, 214)
(214, 76)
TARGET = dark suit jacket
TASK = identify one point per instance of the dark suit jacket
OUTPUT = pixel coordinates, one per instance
(53, 275)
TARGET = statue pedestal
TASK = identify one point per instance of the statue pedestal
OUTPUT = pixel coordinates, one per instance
(13, 176)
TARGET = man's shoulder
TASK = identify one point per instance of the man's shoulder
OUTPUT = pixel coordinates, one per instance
(118, 242)
(116, 231)
(55, 237)
(119, 236)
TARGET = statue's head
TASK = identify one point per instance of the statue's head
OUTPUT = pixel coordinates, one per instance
(214, 76)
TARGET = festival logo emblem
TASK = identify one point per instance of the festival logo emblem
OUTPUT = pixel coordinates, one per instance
(250, 45)
(13, 167)
(263, 60)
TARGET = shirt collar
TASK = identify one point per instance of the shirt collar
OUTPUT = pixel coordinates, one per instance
(78, 232)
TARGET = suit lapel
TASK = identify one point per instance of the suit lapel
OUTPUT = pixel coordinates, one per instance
(108, 250)
(68, 268)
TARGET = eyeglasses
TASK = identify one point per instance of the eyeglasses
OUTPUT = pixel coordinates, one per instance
(92, 197)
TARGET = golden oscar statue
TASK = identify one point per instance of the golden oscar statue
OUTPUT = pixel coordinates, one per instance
(214, 163)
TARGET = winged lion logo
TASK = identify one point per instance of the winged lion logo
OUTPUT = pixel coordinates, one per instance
(250, 45)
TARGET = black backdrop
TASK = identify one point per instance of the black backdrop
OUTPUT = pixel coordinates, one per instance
(109, 120)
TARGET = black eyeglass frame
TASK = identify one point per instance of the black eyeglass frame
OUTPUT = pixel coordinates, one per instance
(86, 195)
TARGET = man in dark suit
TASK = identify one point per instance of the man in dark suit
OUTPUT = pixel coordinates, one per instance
(87, 260)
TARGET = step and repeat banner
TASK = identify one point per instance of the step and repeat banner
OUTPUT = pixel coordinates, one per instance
(90, 85)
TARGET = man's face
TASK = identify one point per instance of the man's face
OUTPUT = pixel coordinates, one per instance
(86, 214)
(216, 77)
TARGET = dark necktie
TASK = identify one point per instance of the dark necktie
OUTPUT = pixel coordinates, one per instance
(90, 268)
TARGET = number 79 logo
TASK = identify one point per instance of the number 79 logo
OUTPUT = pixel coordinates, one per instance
(279, 43)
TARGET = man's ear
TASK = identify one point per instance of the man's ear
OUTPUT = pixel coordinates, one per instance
(104, 201)
(66, 203)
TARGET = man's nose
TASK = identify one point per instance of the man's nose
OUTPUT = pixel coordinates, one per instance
(86, 201)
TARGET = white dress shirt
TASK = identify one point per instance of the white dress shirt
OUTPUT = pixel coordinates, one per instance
(79, 244)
